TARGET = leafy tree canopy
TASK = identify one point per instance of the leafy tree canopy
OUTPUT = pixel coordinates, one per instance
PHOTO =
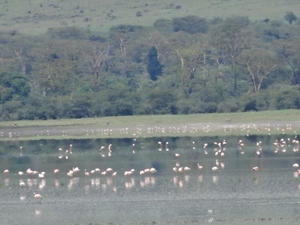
(13, 86)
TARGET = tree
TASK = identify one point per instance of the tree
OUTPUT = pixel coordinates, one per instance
(190, 61)
(290, 17)
(120, 37)
(230, 42)
(154, 67)
(259, 63)
(96, 60)
(289, 54)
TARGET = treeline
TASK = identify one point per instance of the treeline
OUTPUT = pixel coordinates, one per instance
(179, 66)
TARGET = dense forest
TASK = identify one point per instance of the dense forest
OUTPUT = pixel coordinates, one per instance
(180, 66)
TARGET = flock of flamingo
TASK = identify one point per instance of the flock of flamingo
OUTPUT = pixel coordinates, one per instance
(218, 149)
(109, 130)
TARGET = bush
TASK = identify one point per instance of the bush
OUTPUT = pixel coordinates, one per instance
(229, 105)
(287, 98)
(164, 26)
(203, 107)
(138, 13)
(190, 24)
(68, 33)
(161, 101)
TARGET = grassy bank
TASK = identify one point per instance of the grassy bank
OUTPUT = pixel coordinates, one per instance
(248, 123)
(37, 16)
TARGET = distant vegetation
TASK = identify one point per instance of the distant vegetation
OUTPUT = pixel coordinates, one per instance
(183, 65)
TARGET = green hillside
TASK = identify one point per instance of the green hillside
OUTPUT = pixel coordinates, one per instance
(37, 16)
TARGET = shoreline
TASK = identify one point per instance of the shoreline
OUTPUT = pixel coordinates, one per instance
(249, 123)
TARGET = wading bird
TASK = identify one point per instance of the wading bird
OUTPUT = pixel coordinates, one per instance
(38, 197)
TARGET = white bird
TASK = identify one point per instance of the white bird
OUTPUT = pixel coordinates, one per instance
(240, 143)
(152, 170)
(109, 170)
(70, 174)
(186, 168)
(214, 168)
(127, 173)
(76, 170)
(22, 184)
(199, 166)
(38, 196)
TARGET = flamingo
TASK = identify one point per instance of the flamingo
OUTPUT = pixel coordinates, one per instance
(215, 168)
(152, 170)
(127, 173)
(22, 184)
(86, 173)
(199, 166)
(186, 168)
(38, 196)
(70, 174)
(76, 170)
(109, 170)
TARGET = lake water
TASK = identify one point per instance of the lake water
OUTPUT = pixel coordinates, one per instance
(235, 194)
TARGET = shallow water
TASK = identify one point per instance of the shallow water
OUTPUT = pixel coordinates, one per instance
(234, 194)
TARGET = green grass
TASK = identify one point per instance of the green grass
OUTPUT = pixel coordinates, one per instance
(159, 120)
(104, 14)
(158, 126)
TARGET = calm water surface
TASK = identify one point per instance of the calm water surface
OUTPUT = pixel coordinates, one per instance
(234, 194)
